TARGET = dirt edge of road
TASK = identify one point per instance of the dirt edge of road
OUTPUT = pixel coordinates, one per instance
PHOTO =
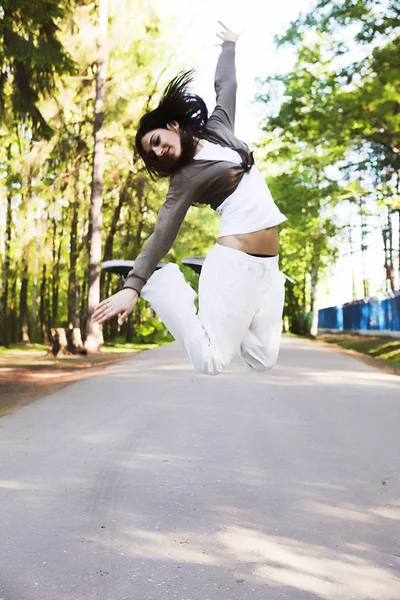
(21, 384)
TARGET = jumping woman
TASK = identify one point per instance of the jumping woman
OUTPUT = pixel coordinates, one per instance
(241, 290)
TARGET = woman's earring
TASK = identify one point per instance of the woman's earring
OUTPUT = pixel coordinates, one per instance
(169, 126)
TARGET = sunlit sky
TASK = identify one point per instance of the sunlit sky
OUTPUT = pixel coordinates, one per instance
(256, 55)
(196, 24)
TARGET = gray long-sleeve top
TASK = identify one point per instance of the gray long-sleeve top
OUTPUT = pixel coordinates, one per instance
(201, 181)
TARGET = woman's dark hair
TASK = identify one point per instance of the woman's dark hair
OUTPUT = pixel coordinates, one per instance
(176, 104)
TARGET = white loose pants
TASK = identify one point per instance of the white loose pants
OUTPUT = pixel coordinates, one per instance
(240, 309)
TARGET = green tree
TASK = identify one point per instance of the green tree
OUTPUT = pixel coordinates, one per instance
(94, 337)
(341, 101)
(305, 195)
(31, 58)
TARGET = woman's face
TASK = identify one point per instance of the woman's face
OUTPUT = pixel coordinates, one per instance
(164, 144)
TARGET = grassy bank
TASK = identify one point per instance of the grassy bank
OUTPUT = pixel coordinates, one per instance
(384, 350)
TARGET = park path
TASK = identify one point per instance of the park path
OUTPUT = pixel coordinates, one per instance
(154, 482)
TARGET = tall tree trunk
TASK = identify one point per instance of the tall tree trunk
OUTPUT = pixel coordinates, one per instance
(33, 317)
(136, 223)
(12, 314)
(397, 209)
(303, 324)
(113, 323)
(388, 246)
(110, 328)
(82, 307)
(73, 318)
(4, 329)
(23, 303)
(398, 248)
(313, 294)
(141, 209)
(44, 307)
(364, 253)
(94, 336)
(351, 248)
(124, 196)
(55, 280)
(391, 261)
(293, 310)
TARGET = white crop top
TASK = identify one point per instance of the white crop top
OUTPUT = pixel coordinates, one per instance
(251, 206)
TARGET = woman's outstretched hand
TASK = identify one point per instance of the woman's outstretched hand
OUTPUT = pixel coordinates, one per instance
(122, 303)
(228, 35)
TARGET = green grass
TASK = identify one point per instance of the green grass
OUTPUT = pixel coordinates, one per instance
(115, 347)
(118, 348)
(16, 348)
(121, 346)
(386, 350)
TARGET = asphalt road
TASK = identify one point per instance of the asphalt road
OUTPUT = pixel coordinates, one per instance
(154, 482)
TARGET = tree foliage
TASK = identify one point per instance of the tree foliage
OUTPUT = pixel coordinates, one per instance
(333, 140)
(340, 105)
(31, 58)
(45, 225)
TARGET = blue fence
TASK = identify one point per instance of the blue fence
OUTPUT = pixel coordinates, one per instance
(369, 314)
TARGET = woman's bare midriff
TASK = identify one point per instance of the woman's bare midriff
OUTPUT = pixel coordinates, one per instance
(264, 241)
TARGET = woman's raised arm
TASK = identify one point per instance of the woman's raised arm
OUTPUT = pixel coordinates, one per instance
(225, 78)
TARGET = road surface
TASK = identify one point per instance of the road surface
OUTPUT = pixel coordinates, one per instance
(154, 482)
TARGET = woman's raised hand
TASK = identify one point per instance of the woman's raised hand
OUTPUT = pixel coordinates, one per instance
(122, 303)
(227, 35)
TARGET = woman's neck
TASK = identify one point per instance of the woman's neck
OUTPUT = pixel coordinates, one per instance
(200, 144)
